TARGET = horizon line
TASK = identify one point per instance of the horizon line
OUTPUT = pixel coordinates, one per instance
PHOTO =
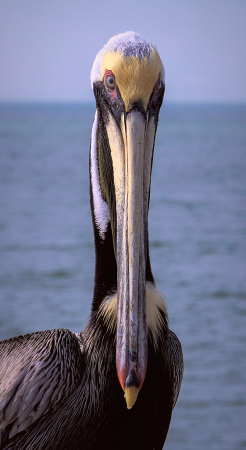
(90, 102)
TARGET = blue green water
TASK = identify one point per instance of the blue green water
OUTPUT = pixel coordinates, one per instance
(197, 242)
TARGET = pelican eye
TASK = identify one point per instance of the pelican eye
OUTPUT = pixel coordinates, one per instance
(110, 82)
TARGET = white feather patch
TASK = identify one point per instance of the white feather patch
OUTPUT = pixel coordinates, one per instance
(100, 206)
(154, 305)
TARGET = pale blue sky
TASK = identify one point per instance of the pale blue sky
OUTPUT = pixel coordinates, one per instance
(47, 47)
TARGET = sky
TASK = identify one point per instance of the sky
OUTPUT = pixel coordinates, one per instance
(48, 46)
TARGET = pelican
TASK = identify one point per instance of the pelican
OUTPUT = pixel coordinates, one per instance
(114, 385)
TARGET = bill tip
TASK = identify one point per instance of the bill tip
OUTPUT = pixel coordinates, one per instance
(131, 394)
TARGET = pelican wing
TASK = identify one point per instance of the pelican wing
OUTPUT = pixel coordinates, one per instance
(178, 365)
(36, 372)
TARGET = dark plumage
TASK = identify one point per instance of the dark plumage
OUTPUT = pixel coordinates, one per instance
(60, 390)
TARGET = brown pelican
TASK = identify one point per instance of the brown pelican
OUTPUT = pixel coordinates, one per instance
(114, 385)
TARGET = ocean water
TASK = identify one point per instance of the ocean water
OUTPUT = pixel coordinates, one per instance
(197, 226)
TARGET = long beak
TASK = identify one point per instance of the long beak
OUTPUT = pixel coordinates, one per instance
(131, 149)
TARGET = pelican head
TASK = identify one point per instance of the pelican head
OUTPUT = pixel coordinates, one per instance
(128, 83)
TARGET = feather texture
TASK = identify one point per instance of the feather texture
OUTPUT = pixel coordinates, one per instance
(36, 372)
